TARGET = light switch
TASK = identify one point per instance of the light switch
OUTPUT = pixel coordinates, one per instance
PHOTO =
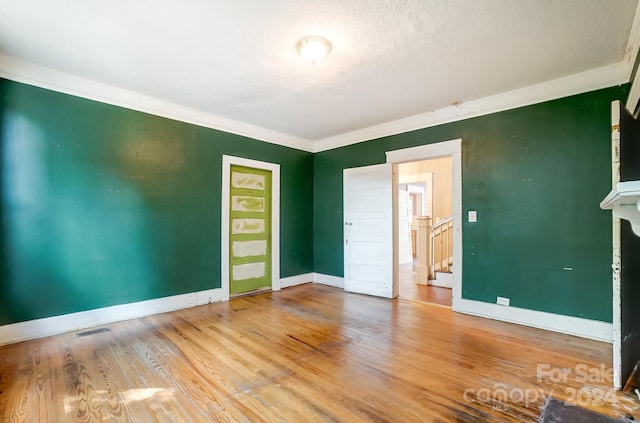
(473, 216)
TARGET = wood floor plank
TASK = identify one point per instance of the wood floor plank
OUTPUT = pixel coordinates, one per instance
(252, 368)
(199, 369)
(128, 376)
(310, 353)
(16, 380)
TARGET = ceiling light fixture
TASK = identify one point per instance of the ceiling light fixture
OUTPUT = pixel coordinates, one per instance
(314, 49)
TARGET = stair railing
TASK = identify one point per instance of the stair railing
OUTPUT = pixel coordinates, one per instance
(441, 240)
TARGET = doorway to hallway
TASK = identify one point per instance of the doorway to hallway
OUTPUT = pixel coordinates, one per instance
(425, 230)
(409, 289)
(371, 235)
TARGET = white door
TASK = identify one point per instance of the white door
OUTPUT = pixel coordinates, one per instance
(368, 230)
(405, 216)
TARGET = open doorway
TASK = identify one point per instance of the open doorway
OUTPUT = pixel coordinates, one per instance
(371, 221)
(425, 230)
(451, 150)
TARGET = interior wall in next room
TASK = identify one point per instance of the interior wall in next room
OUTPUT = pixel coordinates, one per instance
(442, 176)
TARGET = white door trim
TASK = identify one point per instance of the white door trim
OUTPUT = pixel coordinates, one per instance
(451, 148)
(227, 161)
(427, 193)
(616, 251)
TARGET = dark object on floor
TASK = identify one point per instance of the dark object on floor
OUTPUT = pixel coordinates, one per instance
(634, 380)
(555, 411)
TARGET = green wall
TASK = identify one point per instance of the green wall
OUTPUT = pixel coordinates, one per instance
(103, 205)
(536, 176)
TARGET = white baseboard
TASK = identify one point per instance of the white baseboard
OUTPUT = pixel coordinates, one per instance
(585, 328)
(39, 328)
(335, 281)
(296, 280)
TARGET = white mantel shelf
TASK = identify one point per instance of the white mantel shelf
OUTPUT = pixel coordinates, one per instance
(624, 200)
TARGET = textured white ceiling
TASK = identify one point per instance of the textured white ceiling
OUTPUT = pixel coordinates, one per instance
(390, 59)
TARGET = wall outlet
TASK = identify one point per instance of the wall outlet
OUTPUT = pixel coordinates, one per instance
(192, 299)
(503, 301)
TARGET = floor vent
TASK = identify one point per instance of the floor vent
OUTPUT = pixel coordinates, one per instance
(92, 332)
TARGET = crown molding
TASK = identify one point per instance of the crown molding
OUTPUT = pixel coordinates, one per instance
(607, 76)
(595, 79)
(43, 77)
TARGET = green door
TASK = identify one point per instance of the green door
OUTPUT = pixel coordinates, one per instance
(249, 229)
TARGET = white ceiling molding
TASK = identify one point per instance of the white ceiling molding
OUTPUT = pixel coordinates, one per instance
(398, 67)
(24, 72)
(43, 77)
(604, 77)
(607, 76)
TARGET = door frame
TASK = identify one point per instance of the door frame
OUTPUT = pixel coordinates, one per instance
(227, 162)
(616, 250)
(427, 193)
(453, 149)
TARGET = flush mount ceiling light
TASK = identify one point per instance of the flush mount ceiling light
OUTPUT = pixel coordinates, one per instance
(314, 49)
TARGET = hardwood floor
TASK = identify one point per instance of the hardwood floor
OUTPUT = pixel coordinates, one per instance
(409, 290)
(308, 353)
